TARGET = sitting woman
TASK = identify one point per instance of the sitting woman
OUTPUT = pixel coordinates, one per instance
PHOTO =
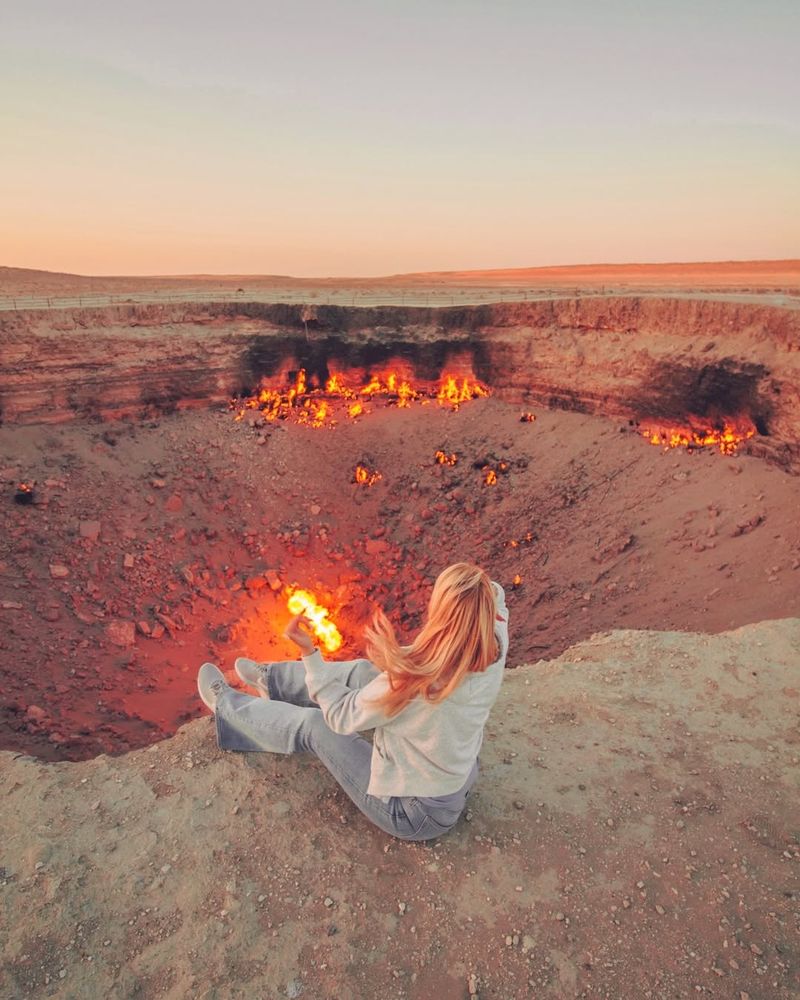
(427, 703)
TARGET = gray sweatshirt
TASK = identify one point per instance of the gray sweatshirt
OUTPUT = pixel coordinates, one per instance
(427, 749)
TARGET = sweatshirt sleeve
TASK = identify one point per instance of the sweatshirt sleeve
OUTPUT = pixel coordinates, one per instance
(345, 710)
(500, 596)
(501, 624)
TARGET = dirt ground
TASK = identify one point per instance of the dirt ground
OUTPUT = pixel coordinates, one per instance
(153, 547)
(635, 833)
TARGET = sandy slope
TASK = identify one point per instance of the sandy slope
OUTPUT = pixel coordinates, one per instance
(634, 834)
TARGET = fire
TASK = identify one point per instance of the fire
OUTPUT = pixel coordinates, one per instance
(451, 394)
(517, 581)
(364, 477)
(444, 459)
(514, 543)
(303, 602)
(24, 493)
(490, 476)
(727, 438)
(316, 406)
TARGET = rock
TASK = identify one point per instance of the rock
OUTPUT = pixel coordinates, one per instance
(35, 713)
(158, 484)
(58, 571)
(273, 579)
(315, 509)
(10, 606)
(121, 633)
(174, 504)
(143, 627)
(375, 546)
(128, 561)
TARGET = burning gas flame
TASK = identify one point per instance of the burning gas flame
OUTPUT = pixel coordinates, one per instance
(727, 438)
(364, 477)
(452, 394)
(303, 602)
(489, 476)
(517, 581)
(444, 459)
(514, 543)
(315, 406)
(24, 493)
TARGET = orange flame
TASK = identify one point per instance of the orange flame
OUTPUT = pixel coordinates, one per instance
(364, 477)
(297, 400)
(490, 476)
(451, 394)
(727, 439)
(517, 581)
(444, 459)
(303, 602)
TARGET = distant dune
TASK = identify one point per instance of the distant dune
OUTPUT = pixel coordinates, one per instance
(748, 274)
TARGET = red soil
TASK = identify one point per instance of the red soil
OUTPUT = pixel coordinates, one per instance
(185, 524)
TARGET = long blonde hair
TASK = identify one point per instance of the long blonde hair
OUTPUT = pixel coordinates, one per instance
(456, 639)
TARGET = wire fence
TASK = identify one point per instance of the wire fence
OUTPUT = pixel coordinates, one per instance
(431, 298)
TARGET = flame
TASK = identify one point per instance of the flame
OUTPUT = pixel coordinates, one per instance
(517, 581)
(25, 488)
(490, 476)
(727, 438)
(527, 418)
(451, 394)
(315, 406)
(364, 477)
(444, 459)
(303, 602)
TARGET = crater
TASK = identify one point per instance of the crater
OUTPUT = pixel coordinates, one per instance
(156, 530)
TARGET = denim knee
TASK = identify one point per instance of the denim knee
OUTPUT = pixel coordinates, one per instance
(313, 724)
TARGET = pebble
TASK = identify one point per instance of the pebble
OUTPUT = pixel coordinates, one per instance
(58, 571)
(328, 901)
(121, 633)
(90, 530)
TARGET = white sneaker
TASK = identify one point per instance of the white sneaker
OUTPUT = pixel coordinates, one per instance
(210, 684)
(253, 673)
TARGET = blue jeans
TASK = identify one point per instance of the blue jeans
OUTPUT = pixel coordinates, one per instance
(290, 722)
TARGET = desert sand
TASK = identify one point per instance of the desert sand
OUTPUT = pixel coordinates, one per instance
(633, 834)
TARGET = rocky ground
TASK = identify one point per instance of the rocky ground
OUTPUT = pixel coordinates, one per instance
(154, 546)
(635, 834)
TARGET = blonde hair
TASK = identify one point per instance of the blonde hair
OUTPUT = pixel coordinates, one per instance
(456, 639)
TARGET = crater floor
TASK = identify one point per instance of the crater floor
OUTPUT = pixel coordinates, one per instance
(155, 545)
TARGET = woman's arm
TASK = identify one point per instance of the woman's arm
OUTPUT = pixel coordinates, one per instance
(345, 710)
(500, 597)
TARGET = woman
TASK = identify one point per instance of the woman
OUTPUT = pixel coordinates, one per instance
(427, 702)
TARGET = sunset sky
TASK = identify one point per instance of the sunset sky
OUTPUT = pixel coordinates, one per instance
(316, 137)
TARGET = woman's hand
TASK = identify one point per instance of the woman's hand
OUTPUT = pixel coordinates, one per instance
(295, 634)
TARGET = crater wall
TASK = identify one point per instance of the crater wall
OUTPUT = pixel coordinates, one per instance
(642, 358)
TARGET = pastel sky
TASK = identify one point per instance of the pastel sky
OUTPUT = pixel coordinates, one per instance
(316, 137)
